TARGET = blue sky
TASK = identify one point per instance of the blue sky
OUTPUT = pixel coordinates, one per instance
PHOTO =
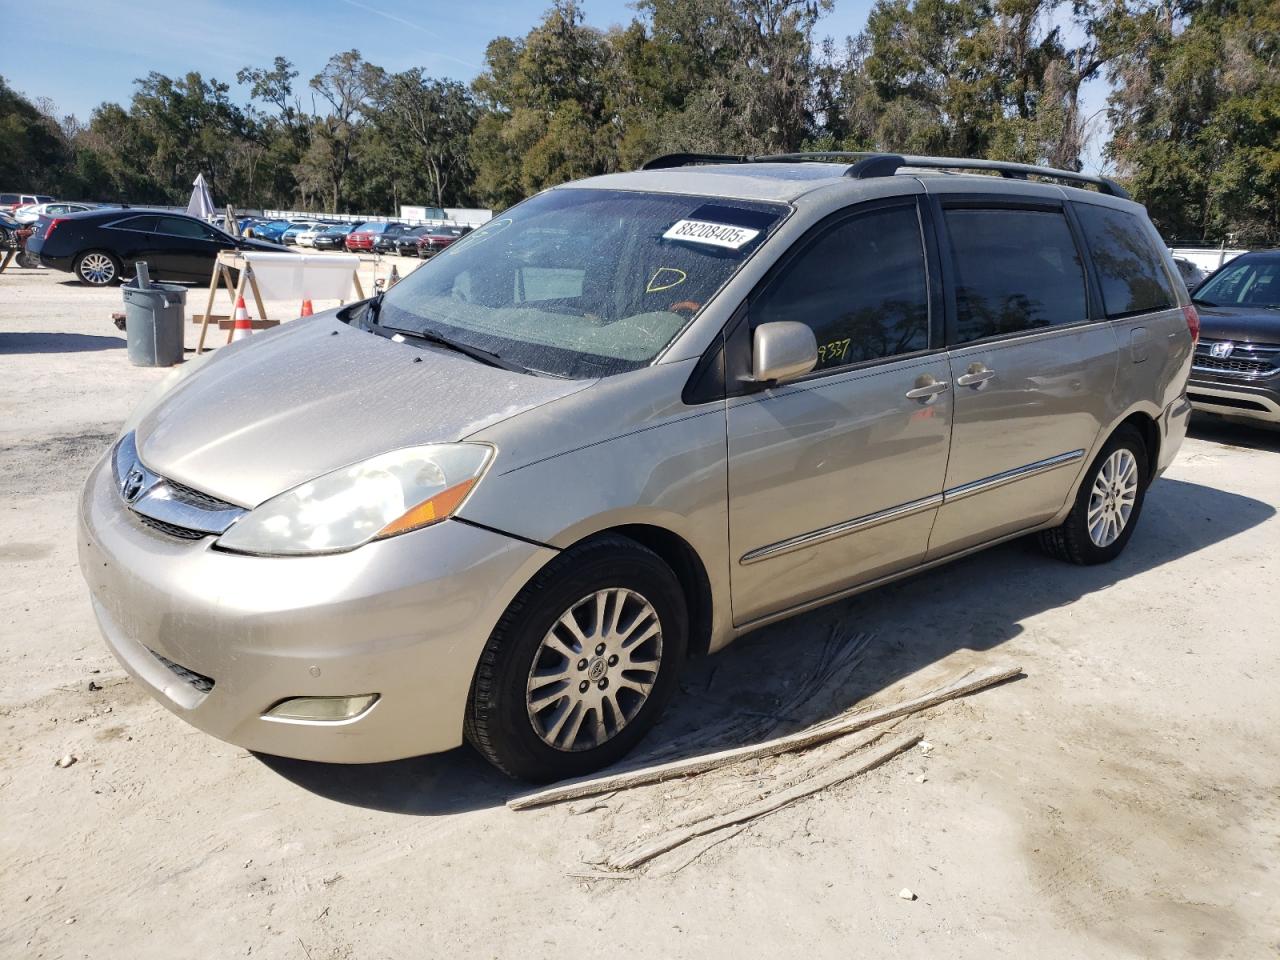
(78, 56)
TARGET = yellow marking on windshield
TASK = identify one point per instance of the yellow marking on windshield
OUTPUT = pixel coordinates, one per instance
(661, 279)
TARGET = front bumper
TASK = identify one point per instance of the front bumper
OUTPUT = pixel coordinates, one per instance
(1256, 399)
(405, 618)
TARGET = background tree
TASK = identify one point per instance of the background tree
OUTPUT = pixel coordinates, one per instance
(430, 123)
(345, 85)
(1194, 108)
(1196, 117)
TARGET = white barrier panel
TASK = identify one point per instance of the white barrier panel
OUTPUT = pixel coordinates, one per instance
(301, 276)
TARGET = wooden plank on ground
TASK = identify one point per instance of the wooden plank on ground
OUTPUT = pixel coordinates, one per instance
(802, 740)
(857, 765)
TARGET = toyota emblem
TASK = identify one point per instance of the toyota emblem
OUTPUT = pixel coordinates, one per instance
(1222, 350)
(131, 487)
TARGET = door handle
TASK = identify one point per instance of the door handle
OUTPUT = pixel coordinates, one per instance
(927, 388)
(975, 376)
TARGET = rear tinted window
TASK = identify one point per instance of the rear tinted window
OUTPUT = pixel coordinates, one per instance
(8, 198)
(860, 286)
(141, 224)
(1130, 270)
(1015, 270)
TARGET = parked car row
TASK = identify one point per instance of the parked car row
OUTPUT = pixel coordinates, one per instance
(9, 202)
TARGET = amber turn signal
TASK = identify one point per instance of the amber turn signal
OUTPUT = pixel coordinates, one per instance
(438, 508)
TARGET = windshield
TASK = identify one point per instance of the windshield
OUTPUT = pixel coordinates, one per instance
(1246, 282)
(582, 283)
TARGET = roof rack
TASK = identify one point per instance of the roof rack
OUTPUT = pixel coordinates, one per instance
(865, 166)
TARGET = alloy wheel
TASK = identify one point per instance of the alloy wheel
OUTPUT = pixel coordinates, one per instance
(594, 670)
(97, 268)
(1111, 501)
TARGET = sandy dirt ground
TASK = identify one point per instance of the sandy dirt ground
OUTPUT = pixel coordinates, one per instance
(1121, 800)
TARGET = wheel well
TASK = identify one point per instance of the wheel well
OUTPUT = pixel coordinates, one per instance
(1150, 433)
(689, 570)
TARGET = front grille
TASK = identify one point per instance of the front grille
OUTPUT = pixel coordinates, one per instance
(185, 494)
(171, 529)
(1232, 365)
(198, 680)
(1247, 360)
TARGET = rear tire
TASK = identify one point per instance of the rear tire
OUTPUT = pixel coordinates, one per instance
(1107, 505)
(98, 268)
(570, 682)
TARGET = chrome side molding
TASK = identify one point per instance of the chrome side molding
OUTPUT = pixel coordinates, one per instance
(1009, 476)
(858, 524)
(841, 529)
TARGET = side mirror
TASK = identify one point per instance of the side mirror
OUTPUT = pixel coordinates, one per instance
(783, 350)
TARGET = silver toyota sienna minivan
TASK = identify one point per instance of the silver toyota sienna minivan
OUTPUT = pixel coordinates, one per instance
(625, 422)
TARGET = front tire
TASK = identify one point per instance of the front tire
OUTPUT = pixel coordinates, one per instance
(97, 268)
(1107, 505)
(581, 664)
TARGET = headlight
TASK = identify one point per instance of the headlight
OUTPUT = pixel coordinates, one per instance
(383, 496)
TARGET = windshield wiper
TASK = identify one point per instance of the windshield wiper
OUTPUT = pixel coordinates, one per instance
(373, 325)
(475, 353)
(466, 349)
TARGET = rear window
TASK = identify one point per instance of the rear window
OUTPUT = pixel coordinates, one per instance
(1130, 270)
(1015, 270)
(140, 224)
(9, 198)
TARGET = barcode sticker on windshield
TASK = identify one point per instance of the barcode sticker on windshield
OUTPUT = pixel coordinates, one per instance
(715, 234)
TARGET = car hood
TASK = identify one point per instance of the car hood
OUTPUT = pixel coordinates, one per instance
(1246, 324)
(266, 414)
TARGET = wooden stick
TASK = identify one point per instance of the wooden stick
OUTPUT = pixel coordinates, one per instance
(214, 281)
(713, 842)
(819, 759)
(769, 804)
(257, 297)
(796, 741)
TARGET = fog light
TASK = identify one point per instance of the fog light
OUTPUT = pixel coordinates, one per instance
(321, 709)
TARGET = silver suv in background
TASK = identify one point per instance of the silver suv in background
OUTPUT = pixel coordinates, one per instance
(623, 423)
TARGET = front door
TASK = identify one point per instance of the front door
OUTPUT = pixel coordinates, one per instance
(188, 248)
(835, 479)
(1032, 375)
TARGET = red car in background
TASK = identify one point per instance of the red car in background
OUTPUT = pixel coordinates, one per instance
(437, 238)
(363, 236)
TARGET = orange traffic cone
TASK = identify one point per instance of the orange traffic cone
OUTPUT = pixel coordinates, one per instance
(243, 327)
(306, 309)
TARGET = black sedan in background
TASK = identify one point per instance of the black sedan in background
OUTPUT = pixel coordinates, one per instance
(101, 247)
(335, 238)
(406, 244)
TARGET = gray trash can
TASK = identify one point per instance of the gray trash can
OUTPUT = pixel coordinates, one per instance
(153, 323)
